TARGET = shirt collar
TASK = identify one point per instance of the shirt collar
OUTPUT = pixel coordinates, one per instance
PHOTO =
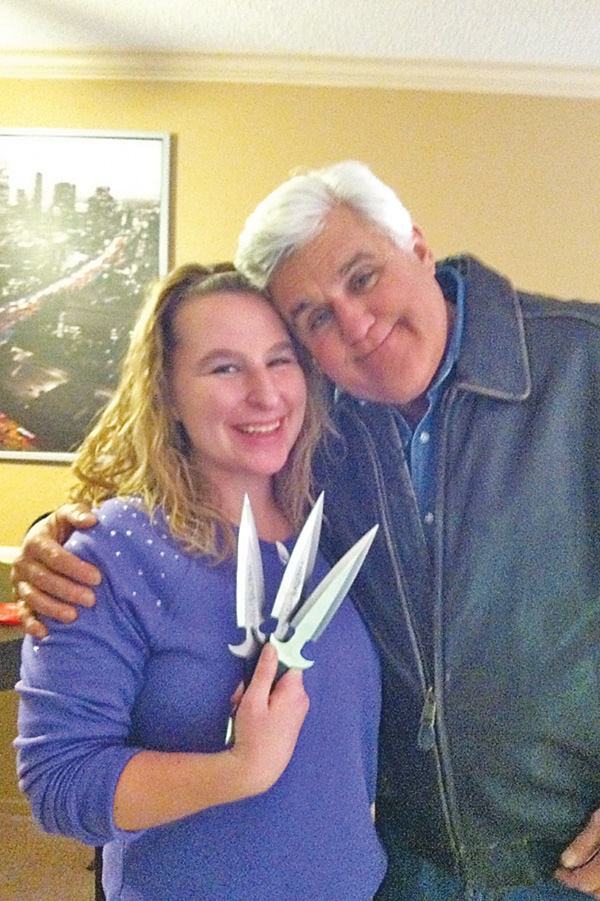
(453, 288)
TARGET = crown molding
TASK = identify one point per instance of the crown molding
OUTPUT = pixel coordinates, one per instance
(412, 74)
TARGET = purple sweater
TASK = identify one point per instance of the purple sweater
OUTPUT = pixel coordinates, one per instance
(149, 667)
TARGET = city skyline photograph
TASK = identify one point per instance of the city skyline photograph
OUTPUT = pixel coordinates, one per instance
(128, 165)
(83, 234)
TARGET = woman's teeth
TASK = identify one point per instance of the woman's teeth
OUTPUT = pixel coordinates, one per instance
(260, 429)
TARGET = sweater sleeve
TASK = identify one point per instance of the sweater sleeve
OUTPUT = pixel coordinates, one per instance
(78, 688)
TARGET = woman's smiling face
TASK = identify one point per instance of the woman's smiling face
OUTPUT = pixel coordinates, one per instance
(237, 388)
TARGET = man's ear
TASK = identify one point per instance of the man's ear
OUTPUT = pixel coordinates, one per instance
(421, 248)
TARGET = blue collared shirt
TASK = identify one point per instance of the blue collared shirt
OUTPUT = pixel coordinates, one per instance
(419, 442)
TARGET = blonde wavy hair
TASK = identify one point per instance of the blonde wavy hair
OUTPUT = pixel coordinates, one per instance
(138, 447)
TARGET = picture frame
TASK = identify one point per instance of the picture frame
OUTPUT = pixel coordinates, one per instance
(84, 233)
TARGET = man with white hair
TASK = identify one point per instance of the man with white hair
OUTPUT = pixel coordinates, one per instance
(468, 426)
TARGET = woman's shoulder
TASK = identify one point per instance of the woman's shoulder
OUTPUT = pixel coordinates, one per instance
(137, 547)
(116, 508)
(126, 522)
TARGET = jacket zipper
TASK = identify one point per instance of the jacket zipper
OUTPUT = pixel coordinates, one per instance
(426, 735)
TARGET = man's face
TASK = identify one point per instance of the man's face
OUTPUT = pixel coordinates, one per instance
(372, 315)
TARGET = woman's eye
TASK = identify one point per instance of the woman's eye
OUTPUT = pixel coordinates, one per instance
(224, 369)
(283, 360)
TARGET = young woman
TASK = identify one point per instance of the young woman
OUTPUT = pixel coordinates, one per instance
(123, 713)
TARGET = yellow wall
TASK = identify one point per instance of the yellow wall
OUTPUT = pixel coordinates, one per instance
(515, 180)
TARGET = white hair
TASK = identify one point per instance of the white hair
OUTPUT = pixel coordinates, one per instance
(293, 214)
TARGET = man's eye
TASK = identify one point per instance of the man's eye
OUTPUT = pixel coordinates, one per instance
(359, 281)
(319, 319)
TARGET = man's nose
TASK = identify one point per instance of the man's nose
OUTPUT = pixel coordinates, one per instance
(353, 318)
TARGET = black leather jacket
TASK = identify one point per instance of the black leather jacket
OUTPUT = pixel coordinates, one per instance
(490, 740)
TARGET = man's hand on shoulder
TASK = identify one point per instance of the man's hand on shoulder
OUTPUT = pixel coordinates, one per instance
(47, 579)
(580, 862)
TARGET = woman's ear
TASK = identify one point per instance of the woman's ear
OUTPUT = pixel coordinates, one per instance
(181, 436)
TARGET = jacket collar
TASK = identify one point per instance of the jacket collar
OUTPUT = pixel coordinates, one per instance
(493, 357)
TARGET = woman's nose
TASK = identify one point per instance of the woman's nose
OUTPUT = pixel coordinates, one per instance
(262, 388)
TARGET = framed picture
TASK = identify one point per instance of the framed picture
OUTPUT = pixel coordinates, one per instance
(84, 232)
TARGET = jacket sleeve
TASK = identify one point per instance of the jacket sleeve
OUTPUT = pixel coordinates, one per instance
(78, 688)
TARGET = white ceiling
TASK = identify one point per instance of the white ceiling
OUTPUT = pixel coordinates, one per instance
(507, 46)
(531, 32)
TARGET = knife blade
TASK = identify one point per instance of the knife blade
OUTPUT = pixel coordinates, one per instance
(298, 570)
(318, 610)
(250, 586)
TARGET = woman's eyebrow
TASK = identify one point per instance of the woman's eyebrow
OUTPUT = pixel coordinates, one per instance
(282, 345)
(218, 354)
(228, 353)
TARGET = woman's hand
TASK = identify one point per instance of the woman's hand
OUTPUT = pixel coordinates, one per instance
(159, 787)
(49, 580)
(268, 721)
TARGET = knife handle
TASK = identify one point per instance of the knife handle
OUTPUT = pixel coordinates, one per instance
(248, 669)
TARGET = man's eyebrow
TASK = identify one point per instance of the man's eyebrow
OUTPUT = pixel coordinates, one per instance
(359, 257)
(299, 309)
